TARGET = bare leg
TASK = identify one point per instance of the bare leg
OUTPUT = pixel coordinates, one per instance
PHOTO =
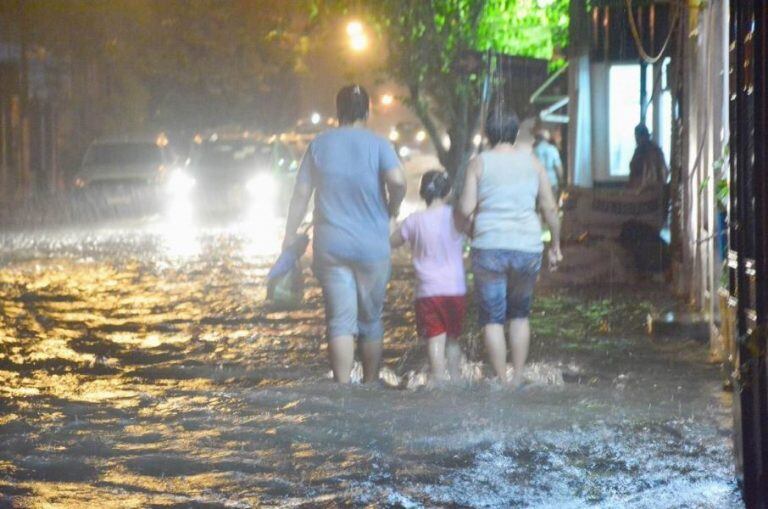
(371, 353)
(342, 353)
(453, 356)
(519, 341)
(437, 356)
(496, 345)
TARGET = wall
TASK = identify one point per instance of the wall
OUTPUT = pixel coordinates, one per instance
(705, 137)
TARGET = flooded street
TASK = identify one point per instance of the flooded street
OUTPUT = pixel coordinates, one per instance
(140, 367)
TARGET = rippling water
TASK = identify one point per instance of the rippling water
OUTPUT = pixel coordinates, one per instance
(141, 368)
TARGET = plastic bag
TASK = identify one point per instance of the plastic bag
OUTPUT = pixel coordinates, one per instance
(287, 291)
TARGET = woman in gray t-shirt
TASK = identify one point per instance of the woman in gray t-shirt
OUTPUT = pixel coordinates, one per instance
(347, 169)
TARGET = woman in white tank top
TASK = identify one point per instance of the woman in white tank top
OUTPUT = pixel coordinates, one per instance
(505, 189)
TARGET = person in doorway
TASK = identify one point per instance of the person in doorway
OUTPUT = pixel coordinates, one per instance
(437, 246)
(358, 185)
(504, 186)
(549, 156)
(647, 169)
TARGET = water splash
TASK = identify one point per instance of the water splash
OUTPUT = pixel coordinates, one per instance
(536, 373)
(130, 379)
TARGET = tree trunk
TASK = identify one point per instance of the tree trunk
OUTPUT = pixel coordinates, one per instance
(455, 158)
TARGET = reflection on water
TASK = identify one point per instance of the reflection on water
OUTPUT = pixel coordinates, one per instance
(132, 377)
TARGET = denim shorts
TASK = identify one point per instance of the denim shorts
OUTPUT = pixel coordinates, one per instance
(504, 281)
(354, 295)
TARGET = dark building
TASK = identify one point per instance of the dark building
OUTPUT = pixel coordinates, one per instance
(29, 163)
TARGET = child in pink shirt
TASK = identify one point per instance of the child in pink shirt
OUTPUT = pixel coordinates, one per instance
(437, 246)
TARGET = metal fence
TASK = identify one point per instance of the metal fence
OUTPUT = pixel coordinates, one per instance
(748, 255)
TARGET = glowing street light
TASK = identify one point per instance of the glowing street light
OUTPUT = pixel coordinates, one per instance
(358, 41)
(315, 118)
(354, 28)
(387, 99)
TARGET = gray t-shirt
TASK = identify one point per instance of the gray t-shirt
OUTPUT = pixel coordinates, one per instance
(506, 203)
(345, 167)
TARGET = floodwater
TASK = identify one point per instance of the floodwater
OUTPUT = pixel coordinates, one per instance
(140, 367)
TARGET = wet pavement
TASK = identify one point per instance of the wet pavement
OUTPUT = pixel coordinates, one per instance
(141, 367)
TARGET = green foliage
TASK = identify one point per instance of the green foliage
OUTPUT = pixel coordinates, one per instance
(196, 63)
(722, 187)
(524, 27)
(588, 323)
(428, 41)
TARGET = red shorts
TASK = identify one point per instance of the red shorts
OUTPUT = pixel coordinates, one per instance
(438, 315)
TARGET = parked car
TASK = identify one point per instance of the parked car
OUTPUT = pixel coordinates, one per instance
(125, 172)
(236, 173)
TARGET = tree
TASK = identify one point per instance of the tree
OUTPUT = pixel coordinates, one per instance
(220, 62)
(166, 64)
(428, 40)
(96, 90)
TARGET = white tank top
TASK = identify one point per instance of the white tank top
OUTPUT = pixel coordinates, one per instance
(506, 203)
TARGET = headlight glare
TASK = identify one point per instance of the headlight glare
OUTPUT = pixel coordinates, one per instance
(262, 185)
(180, 183)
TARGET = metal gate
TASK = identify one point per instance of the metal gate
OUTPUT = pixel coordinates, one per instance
(748, 255)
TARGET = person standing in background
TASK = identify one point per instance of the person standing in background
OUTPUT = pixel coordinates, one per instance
(648, 169)
(549, 155)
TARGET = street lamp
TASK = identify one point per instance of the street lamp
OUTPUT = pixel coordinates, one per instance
(358, 40)
(354, 28)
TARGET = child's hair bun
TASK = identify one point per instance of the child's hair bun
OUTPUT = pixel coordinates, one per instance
(434, 184)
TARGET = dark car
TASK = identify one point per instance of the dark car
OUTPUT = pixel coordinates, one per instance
(125, 173)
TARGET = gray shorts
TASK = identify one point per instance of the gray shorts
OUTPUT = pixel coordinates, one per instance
(354, 295)
(504, 282)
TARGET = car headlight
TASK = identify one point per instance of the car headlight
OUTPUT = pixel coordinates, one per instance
(262, 185)
(180, 183)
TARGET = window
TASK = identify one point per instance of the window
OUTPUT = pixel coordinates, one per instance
(624, 115)
(665, 134)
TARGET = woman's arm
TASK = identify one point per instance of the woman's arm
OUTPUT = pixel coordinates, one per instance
(467, 204)
(394, 180)
(297, 211)
(302, 193)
